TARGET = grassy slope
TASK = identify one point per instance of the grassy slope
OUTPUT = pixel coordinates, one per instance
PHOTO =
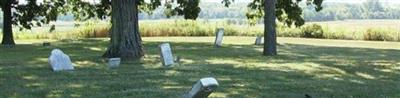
(321, 68)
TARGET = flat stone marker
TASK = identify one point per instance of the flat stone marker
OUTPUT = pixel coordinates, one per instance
(167, 58)
(259, 40)
(114, 62)
(60, 61)
(203, 88)
(218, 37)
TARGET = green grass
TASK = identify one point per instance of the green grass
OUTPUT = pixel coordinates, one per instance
(320, 68)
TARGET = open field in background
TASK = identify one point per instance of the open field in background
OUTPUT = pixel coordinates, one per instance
(381, 30)
(317, 67)
(356, 29)
(64, 30)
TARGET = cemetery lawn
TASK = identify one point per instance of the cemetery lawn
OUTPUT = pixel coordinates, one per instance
(320, 68)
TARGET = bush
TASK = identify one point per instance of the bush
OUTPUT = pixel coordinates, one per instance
(378, 35)
(312, 31)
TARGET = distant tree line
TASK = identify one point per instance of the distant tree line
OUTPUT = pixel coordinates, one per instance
(372, 9)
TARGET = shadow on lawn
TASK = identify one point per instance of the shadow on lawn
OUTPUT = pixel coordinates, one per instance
(241, 70)
(297, 70)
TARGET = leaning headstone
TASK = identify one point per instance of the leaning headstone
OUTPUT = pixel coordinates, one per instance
(167, 58)
(218, 37)
(259, 40)
(203, 88)
(60, 61)
(114, 62)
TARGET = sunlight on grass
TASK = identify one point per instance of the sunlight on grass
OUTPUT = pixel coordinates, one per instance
(95, 48)
(34, 85)
(55, 94)
(30, 77)
(219, 95)
(364, 75)
(321, 68)
(84, 63)
(75, 85)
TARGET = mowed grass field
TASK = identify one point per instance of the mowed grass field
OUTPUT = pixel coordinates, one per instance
(320, 68)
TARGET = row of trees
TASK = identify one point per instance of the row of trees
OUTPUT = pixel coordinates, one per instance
(371, 9)
(125, 36)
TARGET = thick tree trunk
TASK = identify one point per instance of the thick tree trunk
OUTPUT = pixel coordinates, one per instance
(8, 38)
(269, 28)
(125, 37)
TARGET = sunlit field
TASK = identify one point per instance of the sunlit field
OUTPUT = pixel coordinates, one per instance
(375, 30)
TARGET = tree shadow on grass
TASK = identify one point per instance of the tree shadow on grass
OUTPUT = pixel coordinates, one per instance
(241, 70)
(297, 70)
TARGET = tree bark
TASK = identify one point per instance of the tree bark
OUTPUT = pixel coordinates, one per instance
(8, 38)
(269, 28)
(126, 41)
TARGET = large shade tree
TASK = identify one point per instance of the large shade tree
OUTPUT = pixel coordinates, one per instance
(27, 13)
(126, 41)
(125, 36)
(286, 11)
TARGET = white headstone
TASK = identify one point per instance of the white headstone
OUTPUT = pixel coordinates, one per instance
(218, 37)
(167, 58)
(114, 62)
(259, 40)
(203, 88)
(60, 61)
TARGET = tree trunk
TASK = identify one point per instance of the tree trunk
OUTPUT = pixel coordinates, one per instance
(269, 28)
(8, 38)
(126, 42)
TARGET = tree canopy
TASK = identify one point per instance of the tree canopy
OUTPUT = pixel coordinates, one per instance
(287, 11)
(27, 14)
(33, 13)
(127, 40)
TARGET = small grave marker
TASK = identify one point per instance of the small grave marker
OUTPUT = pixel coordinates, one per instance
(259, 40)
(218, 37)
(203, 88)
(167, 58)
(60, 61)
(114, 62)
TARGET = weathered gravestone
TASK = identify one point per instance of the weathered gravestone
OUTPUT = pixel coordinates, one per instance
(203, 88)
(259, 40)
(218, 37)
(60, 61)
(114, 62)
(167, 58)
